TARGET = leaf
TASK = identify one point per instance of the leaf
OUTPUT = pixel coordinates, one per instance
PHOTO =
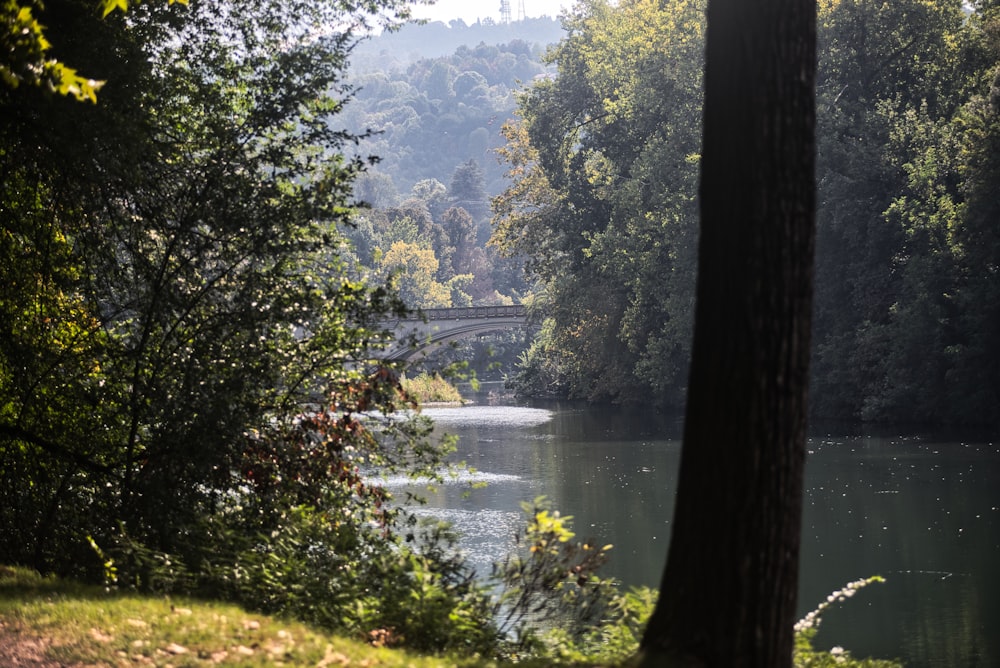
(112, 5)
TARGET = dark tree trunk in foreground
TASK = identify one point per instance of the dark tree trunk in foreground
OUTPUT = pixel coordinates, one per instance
(729, 588)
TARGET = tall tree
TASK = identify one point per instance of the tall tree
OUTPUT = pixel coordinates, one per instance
(865, 86)
(172, 257)
(729, 586)
(468, 190)
(608, 228)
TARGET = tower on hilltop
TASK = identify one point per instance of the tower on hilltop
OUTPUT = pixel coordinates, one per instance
(505, 11)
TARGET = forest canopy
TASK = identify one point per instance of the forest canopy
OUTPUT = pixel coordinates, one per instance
(603, 159)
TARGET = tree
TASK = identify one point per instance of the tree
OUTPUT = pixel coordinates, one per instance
(729, 586)
(864, 85)
(376, 189)
(461, 230)
(468, 190)
(23, 42)
(413, 270)
(434, 194)
(604, 170)
(938, 366)
(176, 294)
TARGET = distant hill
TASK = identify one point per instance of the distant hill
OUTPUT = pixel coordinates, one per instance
(437, 96)
(435, 39)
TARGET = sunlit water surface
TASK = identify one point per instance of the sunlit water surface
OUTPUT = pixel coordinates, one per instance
(922, 512)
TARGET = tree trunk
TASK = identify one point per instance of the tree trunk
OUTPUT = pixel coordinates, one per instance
(728, 592)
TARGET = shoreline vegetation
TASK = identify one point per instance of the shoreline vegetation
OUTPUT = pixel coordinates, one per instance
(54, 622)
(430, 389)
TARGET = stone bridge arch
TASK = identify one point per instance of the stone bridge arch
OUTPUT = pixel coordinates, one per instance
(440, 326)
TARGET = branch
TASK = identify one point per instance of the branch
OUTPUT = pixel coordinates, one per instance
(15, 432)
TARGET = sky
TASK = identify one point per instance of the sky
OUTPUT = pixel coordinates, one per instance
(472, 10)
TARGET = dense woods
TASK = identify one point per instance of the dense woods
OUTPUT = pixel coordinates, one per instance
(603, 160)
(436, 119)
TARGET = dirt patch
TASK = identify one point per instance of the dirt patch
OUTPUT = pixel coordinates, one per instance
(18, 650)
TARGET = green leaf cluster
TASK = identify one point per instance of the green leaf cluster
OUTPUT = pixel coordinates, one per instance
(23, 42)
(906, 138)
(552, 601)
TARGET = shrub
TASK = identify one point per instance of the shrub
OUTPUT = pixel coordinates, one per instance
(552, 602)
(432, 388)
(837, 657)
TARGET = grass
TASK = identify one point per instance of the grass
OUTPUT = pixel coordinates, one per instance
(66, 623)
(51, 622)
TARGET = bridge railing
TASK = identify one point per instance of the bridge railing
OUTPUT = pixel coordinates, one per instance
(470, 312)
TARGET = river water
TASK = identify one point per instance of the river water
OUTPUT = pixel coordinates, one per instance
(922, 512)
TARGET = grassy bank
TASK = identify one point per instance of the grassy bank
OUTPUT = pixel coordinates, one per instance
(50, 622)
(53, 623)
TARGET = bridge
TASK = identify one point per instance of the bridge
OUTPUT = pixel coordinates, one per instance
(434, 327)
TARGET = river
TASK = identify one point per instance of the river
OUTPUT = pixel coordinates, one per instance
(922, 512)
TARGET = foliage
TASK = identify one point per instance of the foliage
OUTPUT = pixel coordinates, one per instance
(432, 260)
(602, 164)
(806, 628)
(614, 639)
(318, 566)
(413, 42)
(865, 358)
(436, 122)
(189, 400)
(603, 168)
(431, 388)
(552, 601)
(413, 270)
(24, 44)
(437, 114)
(23, 41)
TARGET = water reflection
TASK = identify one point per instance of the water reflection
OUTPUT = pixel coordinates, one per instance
(924, 514)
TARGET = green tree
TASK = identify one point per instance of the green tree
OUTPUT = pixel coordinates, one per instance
(434, 194)
(461, 230)
(468, 190)
(413, 269)
(938, 367)
(376, 189)
(608, 231)
(863, 84)
(439, 81)
(976, 371)
(23, 41)
(176, 297)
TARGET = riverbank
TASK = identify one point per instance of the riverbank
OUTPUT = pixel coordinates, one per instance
(54, 623)
(50, 623)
